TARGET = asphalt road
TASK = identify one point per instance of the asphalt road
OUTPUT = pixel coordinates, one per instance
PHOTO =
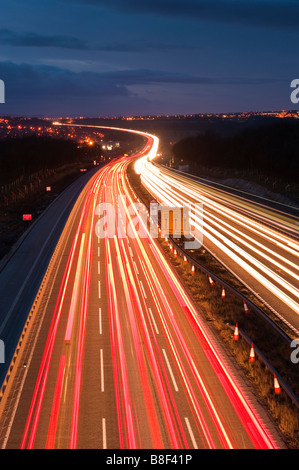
(258, 244)
(117, 355)
(23, 269)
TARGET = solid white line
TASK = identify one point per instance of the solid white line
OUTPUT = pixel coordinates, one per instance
(170, 371)
(100, 320)
(21, 386)
(153, 320)
(102, 371)
(20, 290)
(191, 433)
(104, 433)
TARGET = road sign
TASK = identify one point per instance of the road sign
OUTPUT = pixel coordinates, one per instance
(27, 217)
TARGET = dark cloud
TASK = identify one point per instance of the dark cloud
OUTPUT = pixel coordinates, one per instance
(29, 39)
(45, 89)
(36, 80)
(145, 76)
(265, 13)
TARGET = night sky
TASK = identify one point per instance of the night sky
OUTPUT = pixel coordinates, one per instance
(124, 57)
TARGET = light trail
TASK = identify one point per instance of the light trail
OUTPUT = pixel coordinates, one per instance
(162, 394)
(40, 386)
(82, 328)
(119, 358)
(56, 403)
(131, 295)
(271, 258)
(75, 293)
(260, 436)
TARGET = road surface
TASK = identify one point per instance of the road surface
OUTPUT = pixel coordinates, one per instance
(259, 245)
(116, 356)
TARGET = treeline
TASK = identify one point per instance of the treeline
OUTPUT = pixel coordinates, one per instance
(271, 149)
(27, 155)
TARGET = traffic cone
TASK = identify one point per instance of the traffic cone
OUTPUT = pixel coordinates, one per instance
(251, 354)
(211, 281)
(185, 259)
(277, 388)
(236, 332)
(175, 253)
(223, 293)
(192, 269)
(246, 309)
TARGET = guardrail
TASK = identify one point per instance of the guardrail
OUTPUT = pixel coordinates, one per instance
(252, 306)
(292, 211)
(263, 359)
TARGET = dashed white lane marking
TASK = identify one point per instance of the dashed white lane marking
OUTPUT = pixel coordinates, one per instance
(153, 320)
(191, 433)
(136, 269)
(170, 371)
(104, 433)
(102, 370)
(143, 291)
(100, 320)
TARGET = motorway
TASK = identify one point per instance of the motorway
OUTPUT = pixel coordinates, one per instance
(117, 355)
(23, 268)
(257, 244)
